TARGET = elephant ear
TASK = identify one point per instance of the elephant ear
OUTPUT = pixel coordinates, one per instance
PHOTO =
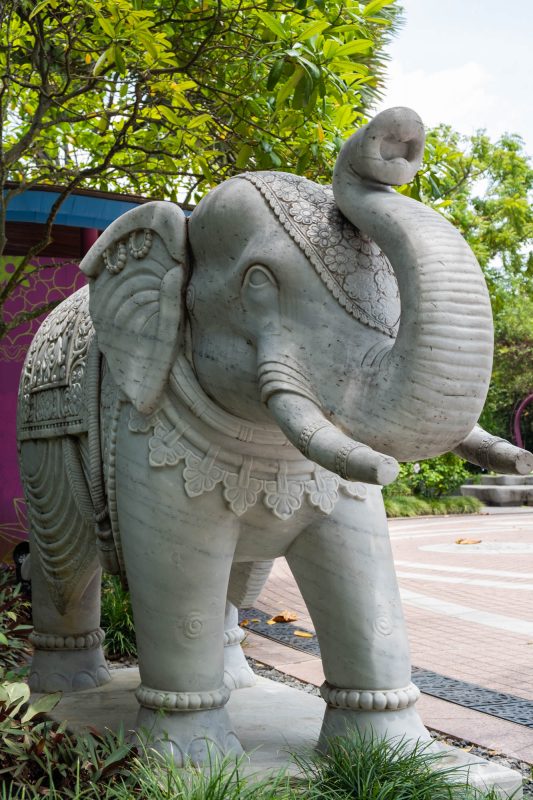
(137, 271)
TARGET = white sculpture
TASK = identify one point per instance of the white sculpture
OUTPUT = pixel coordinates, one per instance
(257, 371)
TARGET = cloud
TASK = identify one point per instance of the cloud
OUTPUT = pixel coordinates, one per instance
(460, 96)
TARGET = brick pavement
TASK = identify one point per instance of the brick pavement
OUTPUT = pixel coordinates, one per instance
(469, 616)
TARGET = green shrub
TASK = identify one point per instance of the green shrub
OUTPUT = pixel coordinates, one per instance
(368, 768)
(430, 478)
(117, 619)
(414, 506)
(39, 757)
(15, 618)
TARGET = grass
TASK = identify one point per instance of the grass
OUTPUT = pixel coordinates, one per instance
(372, 769)
(117, 619)
(414, 506)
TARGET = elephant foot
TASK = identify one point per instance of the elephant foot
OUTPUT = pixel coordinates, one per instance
(188, 737)
(391, 725)
(383, 715)
(68, 670)
(237, 672)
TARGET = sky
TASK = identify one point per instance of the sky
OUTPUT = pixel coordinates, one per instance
(468, 63)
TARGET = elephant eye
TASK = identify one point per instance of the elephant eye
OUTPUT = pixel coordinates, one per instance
(258, 277)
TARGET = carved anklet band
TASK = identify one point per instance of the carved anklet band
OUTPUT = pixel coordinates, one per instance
(50, 641)
(370, 700)
(181, 701)
(233, 636)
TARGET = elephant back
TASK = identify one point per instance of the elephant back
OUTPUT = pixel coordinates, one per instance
(53, 386)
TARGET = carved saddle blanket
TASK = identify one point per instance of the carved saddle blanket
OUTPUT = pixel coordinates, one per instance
(52, 392)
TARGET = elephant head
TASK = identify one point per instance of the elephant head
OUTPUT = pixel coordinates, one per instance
(354, 318)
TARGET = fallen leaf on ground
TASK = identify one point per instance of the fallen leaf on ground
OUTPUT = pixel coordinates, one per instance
(468, 541)
(283, 616)
(244, 622)
(255, 620)
(304, 634)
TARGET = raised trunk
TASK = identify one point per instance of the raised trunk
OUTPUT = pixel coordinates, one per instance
(428, 391)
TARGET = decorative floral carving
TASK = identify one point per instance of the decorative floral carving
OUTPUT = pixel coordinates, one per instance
(202, 474)
(350, 264)
(139, 423)
(282, 496)
(356, 490)
(323, 490)
(241, 491)
(165, 448)
(242, 487)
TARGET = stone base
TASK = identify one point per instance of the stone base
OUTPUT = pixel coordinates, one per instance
(272, 721)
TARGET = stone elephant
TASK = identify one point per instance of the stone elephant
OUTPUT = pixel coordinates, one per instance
(237, 386)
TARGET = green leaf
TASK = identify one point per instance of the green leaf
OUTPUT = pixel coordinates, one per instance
(183, 86)
(312, 29)
(170, 115)
(272, 24)
(275, 74)
(290, 85)
(106, 26)
(147, 41)
(376, 5)
(3, 639)
(330, 48)
(204, 166)
(45, 703)
(119, 59)
(15, 695)
(103, 61)
(242, 156)
(357, 46)
(39, 7)
(197, 121)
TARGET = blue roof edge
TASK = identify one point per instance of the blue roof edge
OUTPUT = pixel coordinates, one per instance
(77, 210)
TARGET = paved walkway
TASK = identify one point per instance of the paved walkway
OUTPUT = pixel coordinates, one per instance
(469, 614)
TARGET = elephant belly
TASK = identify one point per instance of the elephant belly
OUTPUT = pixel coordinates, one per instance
(263, 537)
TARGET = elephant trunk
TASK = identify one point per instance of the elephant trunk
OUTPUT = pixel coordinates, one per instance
(307, 428)
(493, 453)
(428, 391)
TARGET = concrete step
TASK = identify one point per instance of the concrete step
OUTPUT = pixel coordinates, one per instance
(506, 480)
(500, 495)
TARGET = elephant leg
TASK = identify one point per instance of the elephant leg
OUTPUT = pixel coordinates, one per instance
(245, 584)
(344, 568)
(237, 672)
(178, 554)
(65, 572)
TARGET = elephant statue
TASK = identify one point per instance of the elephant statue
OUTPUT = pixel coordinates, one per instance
(237, 386)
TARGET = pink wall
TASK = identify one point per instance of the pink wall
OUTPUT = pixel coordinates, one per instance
(58, 281)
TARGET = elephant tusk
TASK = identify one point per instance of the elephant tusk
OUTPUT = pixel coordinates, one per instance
(491, 452)
(319, 440)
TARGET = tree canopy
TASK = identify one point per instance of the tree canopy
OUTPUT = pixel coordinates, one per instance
(485, 188)
(166, 98)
